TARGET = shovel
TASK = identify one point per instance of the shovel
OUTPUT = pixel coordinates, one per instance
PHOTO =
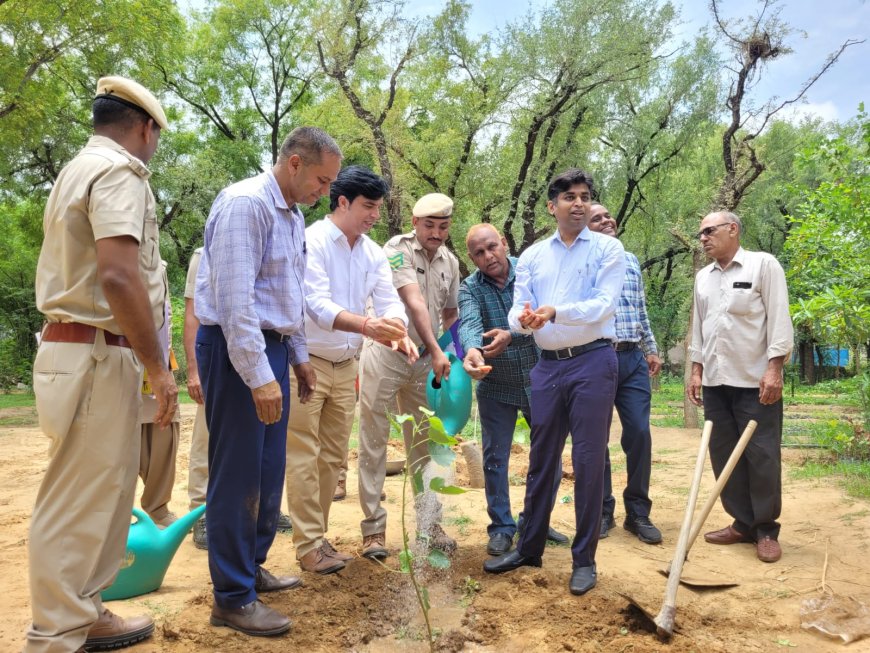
(665, 619)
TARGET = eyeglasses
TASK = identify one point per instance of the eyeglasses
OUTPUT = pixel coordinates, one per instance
(708, 231)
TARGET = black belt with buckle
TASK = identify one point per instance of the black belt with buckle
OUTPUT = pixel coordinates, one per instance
(626, 345)
(274, 335)
(571, 352)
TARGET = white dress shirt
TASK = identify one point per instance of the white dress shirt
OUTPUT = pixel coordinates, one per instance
(583, 282)
(740, 319)
(338, 278)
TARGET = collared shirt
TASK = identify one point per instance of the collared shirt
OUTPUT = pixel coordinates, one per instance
(338, 278)
(192, 269)
(438, 279)
(484, 306)
(251, 274)
(632, 321)
(740, 319)
(102, 193)
(583, 282)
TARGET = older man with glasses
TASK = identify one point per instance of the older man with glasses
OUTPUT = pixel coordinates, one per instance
(741, 336)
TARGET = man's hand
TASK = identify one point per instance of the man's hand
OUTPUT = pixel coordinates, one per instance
(440, 365)
(269, 402)
(194, 387)
(693, 390)
(770, 386)
(654, 363)
(384, 329)
(538, 318)
(475, 365)
(163, 386)
(500, 341)
(306, 379)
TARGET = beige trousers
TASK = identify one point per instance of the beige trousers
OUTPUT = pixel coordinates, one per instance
(317, 437)
(388, 382)
(157, 467)
(197, 475)
(88, 400)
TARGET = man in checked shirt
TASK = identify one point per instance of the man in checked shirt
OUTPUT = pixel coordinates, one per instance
(638, 360)
(500, 360)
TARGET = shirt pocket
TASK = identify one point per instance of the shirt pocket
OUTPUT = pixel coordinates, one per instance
(744, 301)
(149, 248)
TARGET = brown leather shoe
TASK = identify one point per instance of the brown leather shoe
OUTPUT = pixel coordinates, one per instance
(727, 535)
(255, 619)
(768, 549)
(374, 546)
(340, 490)
(319, 561)
(268, 582)
(111, 631)
(344, 557)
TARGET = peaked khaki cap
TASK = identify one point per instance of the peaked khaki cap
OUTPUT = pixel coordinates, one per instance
(433, 205)
(133, 94)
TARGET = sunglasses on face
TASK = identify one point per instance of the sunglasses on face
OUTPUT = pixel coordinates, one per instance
(708, 231)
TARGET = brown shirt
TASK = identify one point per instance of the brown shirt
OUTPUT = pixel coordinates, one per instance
(438, 279)
(102, 193)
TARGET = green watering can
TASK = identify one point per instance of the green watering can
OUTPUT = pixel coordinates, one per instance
(450, 400)
(149, 552)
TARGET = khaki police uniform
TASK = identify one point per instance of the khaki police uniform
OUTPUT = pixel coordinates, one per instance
(87, 395)
(386, 378)
(158, 445)
(197, 475)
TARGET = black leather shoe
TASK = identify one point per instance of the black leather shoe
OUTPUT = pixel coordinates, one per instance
(644, 529)
(267, 582)
(552, 534)
(582, 580)
(284, 523)
(607, 523)
(255, 619)
(499, 544)
(509, 562)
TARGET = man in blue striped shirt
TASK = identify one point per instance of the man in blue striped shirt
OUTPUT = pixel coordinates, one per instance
(500, 360)
(250, 302)
(638, 361)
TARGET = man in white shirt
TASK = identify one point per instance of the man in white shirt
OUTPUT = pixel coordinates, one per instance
(741, 336)
(345, 269)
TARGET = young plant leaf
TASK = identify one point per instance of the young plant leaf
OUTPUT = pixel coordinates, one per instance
(437, 485)
(438, 559)
(437, 433)
(441, 454)
(417, 481)
(405, 560)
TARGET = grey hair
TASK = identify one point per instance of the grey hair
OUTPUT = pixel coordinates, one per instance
(731, 217)
(309, 143)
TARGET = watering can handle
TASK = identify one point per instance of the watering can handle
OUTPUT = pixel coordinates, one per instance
(142, 516)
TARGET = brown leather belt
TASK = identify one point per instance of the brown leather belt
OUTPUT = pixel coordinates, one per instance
(81, 333)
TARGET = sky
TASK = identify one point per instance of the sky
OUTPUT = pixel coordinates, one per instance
(820, 27)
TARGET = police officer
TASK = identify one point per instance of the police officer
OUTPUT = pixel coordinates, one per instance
(426, 275)
(98, 283)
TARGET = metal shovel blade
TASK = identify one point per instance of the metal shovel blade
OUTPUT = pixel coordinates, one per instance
(700, 578)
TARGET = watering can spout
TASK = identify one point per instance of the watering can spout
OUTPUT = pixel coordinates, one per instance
(175, 533)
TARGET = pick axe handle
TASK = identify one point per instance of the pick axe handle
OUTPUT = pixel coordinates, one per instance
(665, 620)
(721, 481)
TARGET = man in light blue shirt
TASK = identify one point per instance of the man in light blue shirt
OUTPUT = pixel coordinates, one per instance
(566, 292)
(250, 302)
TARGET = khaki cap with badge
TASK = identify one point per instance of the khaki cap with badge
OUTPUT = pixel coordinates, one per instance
(433, 205)
(133, 95)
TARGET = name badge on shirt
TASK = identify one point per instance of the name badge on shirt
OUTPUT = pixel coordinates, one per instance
(743, 284)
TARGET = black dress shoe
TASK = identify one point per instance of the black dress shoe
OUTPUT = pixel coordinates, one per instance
(607, 523)
(499, 544)
(556, 537)
(264, 581)
(582, 580)
(644, 529)
(510, 561)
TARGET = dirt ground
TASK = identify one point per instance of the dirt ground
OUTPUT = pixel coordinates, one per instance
(368, 607)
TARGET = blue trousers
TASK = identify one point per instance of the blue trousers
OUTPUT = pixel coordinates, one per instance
(633, 397)
(246, 468)
(497, 422)
(576, 396)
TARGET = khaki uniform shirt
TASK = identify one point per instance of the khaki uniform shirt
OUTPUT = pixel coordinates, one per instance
(438, 279)
(192, 269)
(102, 193)
(740, 320)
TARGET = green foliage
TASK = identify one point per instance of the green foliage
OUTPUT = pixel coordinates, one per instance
(842, 439)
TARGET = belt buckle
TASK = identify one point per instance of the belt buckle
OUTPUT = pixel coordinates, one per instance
(568, 354)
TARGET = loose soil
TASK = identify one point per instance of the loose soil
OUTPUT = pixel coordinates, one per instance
(369, 607)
